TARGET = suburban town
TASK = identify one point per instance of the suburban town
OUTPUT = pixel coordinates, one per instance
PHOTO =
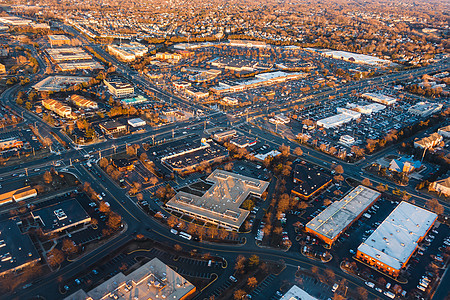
(208, 150)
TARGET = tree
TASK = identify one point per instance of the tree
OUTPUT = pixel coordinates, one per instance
(330, 274)
(177, 248)
(103, 162)
(172, 221)
(240, 263)
(104, 208)
(48, 177)
(253, 260)
(366, 182)
(69, 247)
(363, 293)
(55, 257)
(298, 151)
(339, 169)
(239, 294)
(381, 187)
(435, 206)
(252, 282)
(114, 221)
(285, 150)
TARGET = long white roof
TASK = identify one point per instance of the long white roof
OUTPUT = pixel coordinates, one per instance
(393, 242)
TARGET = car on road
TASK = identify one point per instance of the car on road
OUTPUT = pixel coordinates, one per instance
(370, 284)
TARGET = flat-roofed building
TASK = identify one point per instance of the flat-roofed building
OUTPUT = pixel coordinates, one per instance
(347, 140)
(425, 108)
(57, 83)
(80, 101)
(67, 54)
(340, 215)
(154, 280)
(57, 107)
(392, 244)
(10, 143)
(80, 65)
(296, 293)
(58, 40)
(128, 52)
(380, 98)
(113, 127)
(2, 69)
(444, 131)
(119, 89)
(309, 180)
(220, 204)
(230, 101)
(15, 21)
(243, 141)
(225, 135)
(17, 195)
(136, 122)
(16, 249)
(61, 216)
(429, 141)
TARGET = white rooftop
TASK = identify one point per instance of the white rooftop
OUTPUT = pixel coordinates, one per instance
(393, 242)
(296, 293)
(336, 217)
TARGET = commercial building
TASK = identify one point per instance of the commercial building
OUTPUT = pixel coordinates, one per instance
(58, 40)
(425, 109)
(347, 140)
(189, 159)
(344, 116)
(442, 187)
(356, 58)
(243, 141)
(340, 215)
(119, 89)
(10, 143)
(366, 109)
(222, 136)
(280, 119)
(392, 244)
(428, 142)
(230, 101)
(248, 44)
(112, 127)
(15, 21)
(309, 180)
(16, 249)
(296, 293)
(80, 101)
(80, 65)
(17, 195)
(57, 83)
(263, 79)
(134, 100)
(2, 69)
(154, 280)
(380, 98)
(444, 131)
(136, 122)
(57, 107)
(67, 54)
(128, 52)
(123, 164)
(61, 216)
(168, 56)
(234, 64)
(220, 204)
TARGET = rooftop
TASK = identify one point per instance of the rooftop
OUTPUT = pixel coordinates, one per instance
(222, 201)
(61, 215)
(296, 293)
(393, 242)
(336, 217)
(154, 280)
(309, 179)
(16, 248)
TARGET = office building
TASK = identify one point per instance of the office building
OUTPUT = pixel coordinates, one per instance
(424, 109)
(80, 101)
(57, 107)
(58, 40)
(119, 89)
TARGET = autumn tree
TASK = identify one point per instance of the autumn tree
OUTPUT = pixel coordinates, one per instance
(240, 263)
(114, 221)
(366, 182)
(339, 169)
(239, 294)
(253, 261)
(298, 151)
(69, 247)
(55, 257)
(48, 177)
(435, 206)
(252, 282)
(285, 150)
(103, 163)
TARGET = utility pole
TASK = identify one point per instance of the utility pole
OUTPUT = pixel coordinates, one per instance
(173, 133)
(26, 171)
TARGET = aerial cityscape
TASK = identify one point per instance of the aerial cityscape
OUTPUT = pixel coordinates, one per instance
(224, 150)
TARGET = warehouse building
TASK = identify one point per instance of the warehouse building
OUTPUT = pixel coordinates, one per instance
(57, 107)
(16, 249)
(57, 83)
(424, 109)
(58, 40)
(154, 280)
(136, 122)
(340, 215)
(80, 101)
(220, 204)
(344, 116)
(66, 54)
(128, 52)
(380, 98)
(392, 244)
(113, 127)
(296, 293)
